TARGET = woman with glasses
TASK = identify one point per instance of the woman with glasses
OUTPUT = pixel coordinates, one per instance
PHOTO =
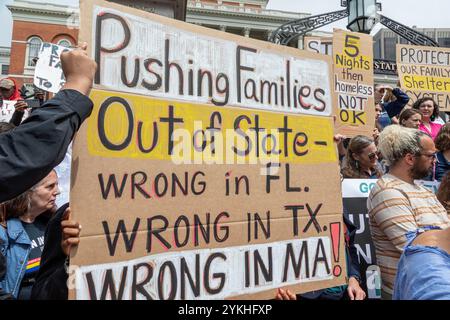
(430, 114)
(362, 159)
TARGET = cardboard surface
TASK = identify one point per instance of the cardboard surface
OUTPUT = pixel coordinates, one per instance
(425, 72)
(353, 83)
(179, 197)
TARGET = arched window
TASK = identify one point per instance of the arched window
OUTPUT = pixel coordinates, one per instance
(65, 43)
(33, 46)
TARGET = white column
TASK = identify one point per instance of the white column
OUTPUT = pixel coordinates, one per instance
(300, 43)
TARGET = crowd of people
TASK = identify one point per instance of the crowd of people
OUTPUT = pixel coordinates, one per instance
(409, 224)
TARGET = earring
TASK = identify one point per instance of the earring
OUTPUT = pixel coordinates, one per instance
(357, 164)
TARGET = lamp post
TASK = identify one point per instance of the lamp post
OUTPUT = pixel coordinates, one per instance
(361, 15)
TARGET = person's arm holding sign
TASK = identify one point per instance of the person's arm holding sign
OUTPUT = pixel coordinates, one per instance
(19, 111)
(79, 70)
(62, 236)
(30, 151)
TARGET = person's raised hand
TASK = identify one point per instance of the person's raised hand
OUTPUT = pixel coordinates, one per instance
(339, 138)
(20, 105)
(285, 295)
(79, 69)
(354, 290)
(70, 232)
(39, 94)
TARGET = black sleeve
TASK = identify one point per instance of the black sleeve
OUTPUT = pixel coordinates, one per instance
(353, 266)
(51, 281)
(30, 151)
(16, 118)
(394, 108)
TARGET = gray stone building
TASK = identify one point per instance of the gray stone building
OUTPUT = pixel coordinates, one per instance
(248, 18)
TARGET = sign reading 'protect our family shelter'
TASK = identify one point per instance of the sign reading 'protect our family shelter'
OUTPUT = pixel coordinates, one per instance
(425, 72)
(202, 170)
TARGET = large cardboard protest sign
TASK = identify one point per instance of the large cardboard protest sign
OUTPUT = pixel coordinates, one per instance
(196, 175)
(48, 73)
(353, 83)
(425, 72)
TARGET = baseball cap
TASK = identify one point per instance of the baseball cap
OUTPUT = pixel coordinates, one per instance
(6, 83)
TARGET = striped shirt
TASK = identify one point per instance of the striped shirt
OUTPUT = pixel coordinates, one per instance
(395, 208)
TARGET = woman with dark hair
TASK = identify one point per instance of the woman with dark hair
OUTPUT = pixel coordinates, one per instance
(410, 118)
(22, 235)
(362, 159)
(430, 112)
(442, 143)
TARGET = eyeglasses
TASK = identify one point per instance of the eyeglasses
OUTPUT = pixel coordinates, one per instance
(372, 155)
(432, 156)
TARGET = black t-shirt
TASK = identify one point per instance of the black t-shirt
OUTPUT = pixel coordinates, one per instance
(35, 232)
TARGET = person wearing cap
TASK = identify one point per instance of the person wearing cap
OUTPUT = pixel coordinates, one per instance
(9, 91)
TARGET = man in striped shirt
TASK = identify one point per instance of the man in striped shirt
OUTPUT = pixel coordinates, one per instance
(396, 204)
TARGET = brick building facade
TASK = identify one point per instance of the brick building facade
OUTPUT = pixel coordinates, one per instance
(34, 23)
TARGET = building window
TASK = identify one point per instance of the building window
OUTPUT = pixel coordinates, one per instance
(389, 48)
(444, 42)
(64, 43)
(5, 69)
(33, 46)
(377, 49)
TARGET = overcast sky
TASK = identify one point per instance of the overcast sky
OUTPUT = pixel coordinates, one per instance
(423, 14)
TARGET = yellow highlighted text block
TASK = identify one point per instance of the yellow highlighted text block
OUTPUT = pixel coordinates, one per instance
(138, 127)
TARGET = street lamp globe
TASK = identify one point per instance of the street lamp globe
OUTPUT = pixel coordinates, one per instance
(361, 15)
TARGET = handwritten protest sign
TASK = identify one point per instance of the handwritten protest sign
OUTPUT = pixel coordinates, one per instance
(196, 175)
(48, 73)
(353, 83)
(324, 45)
(7, 110)
(425, 72)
